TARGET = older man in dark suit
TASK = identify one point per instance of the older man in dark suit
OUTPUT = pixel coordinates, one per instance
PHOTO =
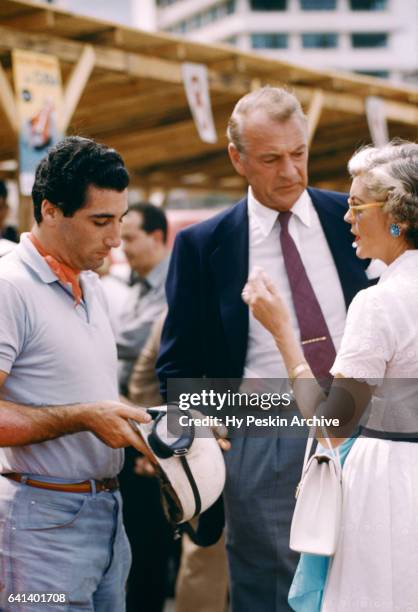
(282, 226)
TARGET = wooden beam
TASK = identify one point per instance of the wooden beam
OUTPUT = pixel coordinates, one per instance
(404, 113)
(76, 84)
(25, 213)
(355, 105)
(213, 164)
(8, 101)
(33, 20)
(167, 71)
(110, 59)
(209, 185)
(174, 141)
(314, 113)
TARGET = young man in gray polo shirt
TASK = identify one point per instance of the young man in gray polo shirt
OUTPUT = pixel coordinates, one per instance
(62, 427)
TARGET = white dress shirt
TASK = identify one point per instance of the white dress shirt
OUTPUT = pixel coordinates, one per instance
(263, 359)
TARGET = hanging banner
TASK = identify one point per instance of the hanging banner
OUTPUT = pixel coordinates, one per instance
(376, 119)
(38, 88)
(195, 80)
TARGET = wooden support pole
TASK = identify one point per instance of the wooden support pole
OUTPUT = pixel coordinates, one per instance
(144, 66)
(76, 84)
(8, 101)
(314, 113)
(33, 21)
(25, 213)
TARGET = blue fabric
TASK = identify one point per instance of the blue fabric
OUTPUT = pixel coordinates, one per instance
(259, 495)
(56, 542)
(308, 584)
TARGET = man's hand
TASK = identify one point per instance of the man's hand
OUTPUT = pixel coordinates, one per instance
(108, 420)
(21, 425)
(221, 433)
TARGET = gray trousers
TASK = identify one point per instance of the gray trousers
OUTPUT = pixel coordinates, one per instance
(262, 475)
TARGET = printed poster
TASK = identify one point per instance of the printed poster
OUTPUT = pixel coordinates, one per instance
(39, 97)
(196, 85)
(376, 118)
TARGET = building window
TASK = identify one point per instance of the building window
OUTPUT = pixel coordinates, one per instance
(318, 5)
(381, 74)
(320, 40)
(230, 7)
(162, 3)
(198, 20)
(269, 40)
(231, 40)
(369, 40)
(368, 5)
(179, 28)
(269, 5)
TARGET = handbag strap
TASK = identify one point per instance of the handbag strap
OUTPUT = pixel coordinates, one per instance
(334, 450)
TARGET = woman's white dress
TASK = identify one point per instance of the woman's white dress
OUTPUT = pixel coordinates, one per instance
(376, 564)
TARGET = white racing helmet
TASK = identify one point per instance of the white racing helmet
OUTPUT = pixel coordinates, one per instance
(191, 467)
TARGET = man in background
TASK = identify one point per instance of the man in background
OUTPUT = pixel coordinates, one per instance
(8, 232)
(144, 238)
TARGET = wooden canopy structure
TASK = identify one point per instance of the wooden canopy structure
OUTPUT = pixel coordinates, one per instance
(124, 87)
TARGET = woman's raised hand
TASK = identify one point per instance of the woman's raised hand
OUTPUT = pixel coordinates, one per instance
(267, 306)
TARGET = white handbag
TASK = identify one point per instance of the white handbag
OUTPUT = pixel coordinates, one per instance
(317, 517)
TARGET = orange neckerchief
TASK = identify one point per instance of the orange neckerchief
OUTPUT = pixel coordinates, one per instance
(64, 273)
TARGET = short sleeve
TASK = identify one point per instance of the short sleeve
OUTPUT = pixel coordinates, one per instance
(368, 341)
(12, 325)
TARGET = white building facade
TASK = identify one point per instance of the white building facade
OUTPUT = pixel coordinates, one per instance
(375, 37)
(141, 14)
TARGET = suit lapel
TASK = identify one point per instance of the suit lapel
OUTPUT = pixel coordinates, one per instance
(229, 262)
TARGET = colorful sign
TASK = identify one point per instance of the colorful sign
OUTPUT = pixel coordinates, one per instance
(195, 79)
(38, 88)
(376, 119)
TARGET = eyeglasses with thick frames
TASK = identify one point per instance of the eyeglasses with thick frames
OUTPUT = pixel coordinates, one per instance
(356, 210)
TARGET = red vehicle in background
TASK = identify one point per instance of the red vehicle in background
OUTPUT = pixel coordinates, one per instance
(181, 218)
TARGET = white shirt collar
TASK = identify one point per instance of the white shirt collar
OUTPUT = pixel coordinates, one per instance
(266, 217)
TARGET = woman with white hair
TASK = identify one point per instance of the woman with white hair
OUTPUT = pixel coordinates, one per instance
(376, 562)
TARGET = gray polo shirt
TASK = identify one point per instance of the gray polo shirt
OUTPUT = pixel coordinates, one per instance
(55, 353)
(144, 304)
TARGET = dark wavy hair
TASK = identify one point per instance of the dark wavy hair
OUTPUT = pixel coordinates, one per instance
(63, 176)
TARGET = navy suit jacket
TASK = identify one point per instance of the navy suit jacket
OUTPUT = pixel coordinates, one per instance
(206, 330)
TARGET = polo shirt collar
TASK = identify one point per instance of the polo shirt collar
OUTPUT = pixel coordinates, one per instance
(32, 258)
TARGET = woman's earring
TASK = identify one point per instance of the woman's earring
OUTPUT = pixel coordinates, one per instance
(395, 230)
